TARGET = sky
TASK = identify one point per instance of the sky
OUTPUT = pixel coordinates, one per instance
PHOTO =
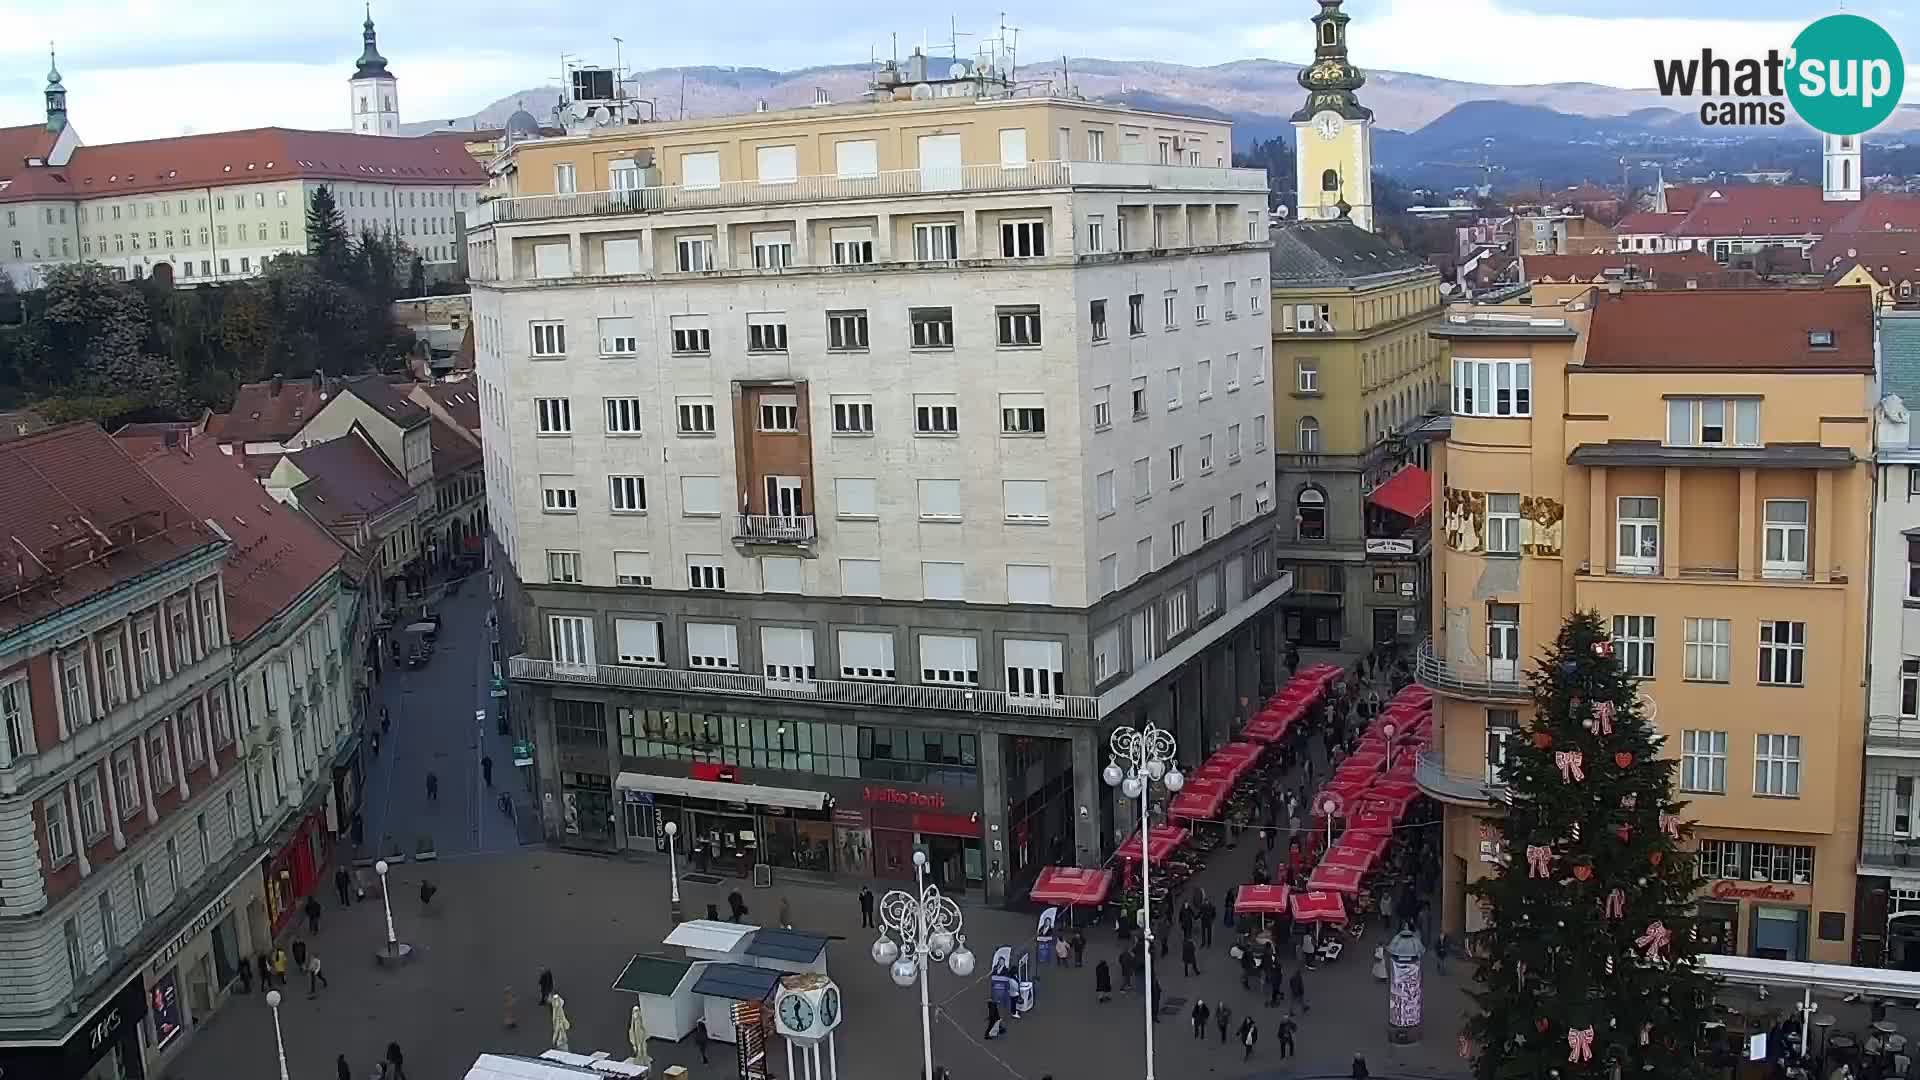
(154, 68)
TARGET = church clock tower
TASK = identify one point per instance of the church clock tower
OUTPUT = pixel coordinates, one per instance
(374, 94)
(1333, 132)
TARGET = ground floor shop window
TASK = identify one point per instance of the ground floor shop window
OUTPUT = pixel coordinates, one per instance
(586, 805)
(1778, 933)
(1718, 924)
(798, 841)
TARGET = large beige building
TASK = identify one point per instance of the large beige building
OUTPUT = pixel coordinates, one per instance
(887, 453)
(1696, 466)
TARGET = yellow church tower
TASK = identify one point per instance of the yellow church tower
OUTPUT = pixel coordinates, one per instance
(1333, 132)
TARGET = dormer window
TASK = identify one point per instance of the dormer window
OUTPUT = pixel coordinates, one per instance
(1820, 339)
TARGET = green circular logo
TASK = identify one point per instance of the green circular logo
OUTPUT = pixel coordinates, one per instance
(1846, 75)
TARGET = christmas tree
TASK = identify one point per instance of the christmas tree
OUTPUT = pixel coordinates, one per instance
(1589, 958)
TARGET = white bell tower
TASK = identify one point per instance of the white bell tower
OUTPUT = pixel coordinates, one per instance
(374, 94)
(1840, 164)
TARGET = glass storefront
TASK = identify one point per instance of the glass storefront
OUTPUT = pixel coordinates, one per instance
(1778, 933)
(943, 759)
(586, 805)
(1718, 925)
(799, 840)
(1039, 785)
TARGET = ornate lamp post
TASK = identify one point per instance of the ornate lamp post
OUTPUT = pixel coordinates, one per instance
(673, 869)
(927, 925)
(386, 901)
(1141, 757)
(1329, 806)
(279, 1044)
(1389, 730)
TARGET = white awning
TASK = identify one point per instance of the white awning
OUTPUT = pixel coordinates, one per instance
(755, 794)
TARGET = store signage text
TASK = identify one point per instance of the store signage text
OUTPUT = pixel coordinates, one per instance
(1733, 890)
(104, 1030)
(1390, 545)
(193, 929)
(919, 800)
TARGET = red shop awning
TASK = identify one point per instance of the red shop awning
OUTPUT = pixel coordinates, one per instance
(1408, 493)
(1349, 858)
(1316, 906)
(1071, 885)
(1260, 900)
(1198, 800)
(1162, 842)
(1335, 879)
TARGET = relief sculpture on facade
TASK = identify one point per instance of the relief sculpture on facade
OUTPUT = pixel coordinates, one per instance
(1464, 517)
(1541, 521)
(1464, 520)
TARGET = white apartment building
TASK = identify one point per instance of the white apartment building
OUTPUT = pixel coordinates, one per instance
(888, 454)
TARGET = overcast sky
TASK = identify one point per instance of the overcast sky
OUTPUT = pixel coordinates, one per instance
(145, 69)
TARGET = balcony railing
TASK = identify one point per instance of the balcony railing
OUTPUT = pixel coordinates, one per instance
(965, 179)
(774, 529)
(1431, 773)
(1882, 849)
(824, 691)
(1469, 678)
(1902, 731)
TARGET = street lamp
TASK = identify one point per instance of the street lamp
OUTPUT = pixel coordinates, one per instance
(1329, 806)
(928, 926)
(1142, 756)
(279, 1044)
(386, 902)
(1389, 730)
(673, 868)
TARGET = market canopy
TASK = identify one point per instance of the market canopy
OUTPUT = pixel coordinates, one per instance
(1162, 841)
(1317, 906)
(1374, 843)
(1402, 791)
(1260, 900)
(1072, 886)
(1335, 879)
(1408, 492)
(1199, 800)
(1367, 819)
(1349, 858)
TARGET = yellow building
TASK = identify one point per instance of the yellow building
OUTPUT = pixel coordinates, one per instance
(1356, 370)
(1696, 467)
(1333, 132)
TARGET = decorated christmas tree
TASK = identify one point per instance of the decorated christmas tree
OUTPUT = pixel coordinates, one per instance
(1589, 958)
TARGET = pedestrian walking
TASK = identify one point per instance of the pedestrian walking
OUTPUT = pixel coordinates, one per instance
(700, 1039)
(1440, 954)
(1248, 965)
(786, 914)
(546, 986)
(866, 908)
(993, 1018)
(1189, 965)
(1287, 1028)
(386, 719)
(1276, 979)
(396, 1062)
(1359, 1067)
(1386, 909)
(315, 977)
(1222, 1018)
(343, 884)
(280, 965)
(486, 769)
(313, 914)
(1226, 906)
(1126, 971)
(376, 744)
(1079, 939)
(1297, 987)
(1187, 918)
(266, 973)
(1249, 1034)
(1102, 983)
(299, 955)
(341, 1069)
(427, 889)
(1208, 913)
(1165, 933)
(737, 906)
(433, 788)
(1200, 1015)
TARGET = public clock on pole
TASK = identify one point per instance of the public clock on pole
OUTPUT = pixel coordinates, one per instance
(806, 1007)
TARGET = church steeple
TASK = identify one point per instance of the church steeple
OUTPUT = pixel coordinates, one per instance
(56, 95)
(371, 64)
(1331, 79)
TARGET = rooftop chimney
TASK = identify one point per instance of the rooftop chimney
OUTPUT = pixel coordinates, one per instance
(274, 387)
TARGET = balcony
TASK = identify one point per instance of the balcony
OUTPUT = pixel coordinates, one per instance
(877, 695)
(898, 183)
(1468, 678)
(789, 529)
(1884, 851)
(1893, 733)
(1468, 789)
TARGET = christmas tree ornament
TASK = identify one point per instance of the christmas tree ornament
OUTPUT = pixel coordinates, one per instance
(1520, 971)
(1615, 906)
(1539, 857)
(1542, 1024)
(1646, 1036)
(1587, 723)
(1573, 830)
(1643, 882)
(1542, 740)
(1624, 832)
(1580, 1044)
(1582, 871)
(1466, 1048)
(1629, 801)
(1655, 857)
(1656, 938)
(1569, 762)
(1670, 824)
(1603, 647)
(1623, 758)
(1609, 965)
(1604, 713)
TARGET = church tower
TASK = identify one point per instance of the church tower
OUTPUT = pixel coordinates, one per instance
(56, 97)
(1333, 132)
(1840, 161)
(375, 95)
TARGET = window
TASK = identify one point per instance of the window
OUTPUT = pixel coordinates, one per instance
(1018, 326)
(1638, 532)
(1503, 524)
(126, 782)
(1176, 464)
(852, 416)
(934, 415)
(1233, 439)
(1259, 364)
(1143, 556)
(1096, 145)
(1703, 762)
(555, 415)
(1783, 653)
(695, 253)
(1776, 765)
(1109, 573)
(781, 574)
(1096, 233)
(936, 242)
(772, 250)
(1136, 314)
(1306, 376)
(856, 497)
(1501, 724)
(16, 721)
(1145, 638)
(1103, 419)
(852, 245)
(1097, 318)
(1900, 812)
(939, 500)
(1310, 512)
(627, 494)
(767, 332)
(1713, 422)
(1035, 669)
(865, 655)
(1262, 502)
(1142, 479)
(623, 416)
(1234, 515)
(633, 569)
(93, 813)
(1307, 436)
(1633, 644)
(1023, 239)
(1170, 310)
(549, 340)
(1029, 584)
(786, 655)
(1910, 687)
(860, 577)
(1026, 500)
(1206, 524)
(1493, 387)
(563, 178)
(1103, 493)
(73, 689)
(617, 337)
(949, 661)
(846, 330)
(1233, 372)
(558, 496)
(856, 158)
(696, 416)
(1199, 303)
(700, 496)
(1709, 646)
(779, 413)
(932, 327)
(1022, 414)
(564, 566)
(1786, 538)
(1139, 395)
(713, 646)
(706, 572)
(1259, 432)
(943, 580)
(1177, 540)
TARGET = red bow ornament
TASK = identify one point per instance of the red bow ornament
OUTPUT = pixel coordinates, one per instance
(1603, 714)
(1615, 905)
(1539, 860)
(1570, 762)
(1646, 1034)
(1580, 1044)
(1656, 938)
(1671, 823)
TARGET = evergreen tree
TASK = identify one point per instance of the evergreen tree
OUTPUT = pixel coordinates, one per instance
(326, 230)
(1590, 957)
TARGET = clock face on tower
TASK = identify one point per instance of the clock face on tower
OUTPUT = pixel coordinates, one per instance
(1327, 125)
(829, 1007)
(796, 1012)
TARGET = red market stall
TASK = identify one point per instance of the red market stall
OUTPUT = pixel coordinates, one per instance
(1162, 842)
(1356, 859)
(1335, 879)
(1373, 843)
(1318, 906)
(1264, 730)
(1238, 757)
(1367, 819)
(1260, 900)
(1200, 799)
(1401, 791)
(1073, 886)
(1363, 759)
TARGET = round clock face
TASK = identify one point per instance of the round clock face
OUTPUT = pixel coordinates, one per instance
(830, 1006)
(1327, 125)
(797, 1013)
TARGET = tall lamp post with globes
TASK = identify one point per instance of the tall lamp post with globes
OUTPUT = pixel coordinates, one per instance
(928, 926)
(673, 869)
(397, 951)
(1142, 757)
(279, 1044)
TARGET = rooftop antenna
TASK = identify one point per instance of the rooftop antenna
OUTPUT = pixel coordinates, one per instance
(683, 93)
(1012, 45)
(619, 71)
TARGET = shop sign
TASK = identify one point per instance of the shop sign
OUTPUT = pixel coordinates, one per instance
(1392, 545)
(892, 796)
(1734, 890)
(849, 819)
(523, 752)
(192, 930)
(165, 1003)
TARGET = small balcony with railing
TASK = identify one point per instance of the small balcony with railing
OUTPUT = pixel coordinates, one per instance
(1471, 676)
(1458, 786)
(1889, 827)
(774, 530)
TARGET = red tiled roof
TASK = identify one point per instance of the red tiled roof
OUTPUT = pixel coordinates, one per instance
(1648, 223)
(453, 451)
(17, 144)
(1836, 249)
(271, 411)
(1761, 210)
(277, 553)
(460, 399)
(1731, 330)
(388, 400)
(257, 155)
(81, 519)
(1681, 197)
(1593, 267)
(1882, 211)
(347, 480)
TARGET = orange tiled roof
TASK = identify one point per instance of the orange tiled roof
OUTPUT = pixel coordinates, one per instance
(1591, 267)
(1731, 330)
(17, 144)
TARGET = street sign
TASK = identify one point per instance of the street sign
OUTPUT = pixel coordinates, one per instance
(499, 693)
(523, 752)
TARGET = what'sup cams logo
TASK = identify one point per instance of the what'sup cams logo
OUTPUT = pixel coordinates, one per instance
(1843, 76)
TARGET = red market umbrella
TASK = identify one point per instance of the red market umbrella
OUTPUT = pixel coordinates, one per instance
(1072, 886)
(1369, 820)
(1356, 859)
(1364, 759)
(1264, 731)
(1241, 755)
(1335, 879)
(1316, 906)
(1199, 800)
(1401, 791)
(1374, 843)
(1161, 843)
(1260, 900)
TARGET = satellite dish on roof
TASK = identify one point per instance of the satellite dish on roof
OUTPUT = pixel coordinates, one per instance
(922, 92)
(957, 71)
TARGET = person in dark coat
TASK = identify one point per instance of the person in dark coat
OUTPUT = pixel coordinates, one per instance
(1359, 1068)
(1297, 986)
(1287, 1028)
(1200, 1015)
(1276, 980)
(993, 1018)
(737, 905)
(1188, 964)
(343, 884)
(866, 908)
(1247, 966)
(1126, 970)
(1208, 913)
(1156, 1001)
(341, 1069)
(1102, 983)
(1222, 1019)
(546, 986)
(1186, 919)
(313, 914)
(299, 955)
(1249, 1034)
(700, 1039)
